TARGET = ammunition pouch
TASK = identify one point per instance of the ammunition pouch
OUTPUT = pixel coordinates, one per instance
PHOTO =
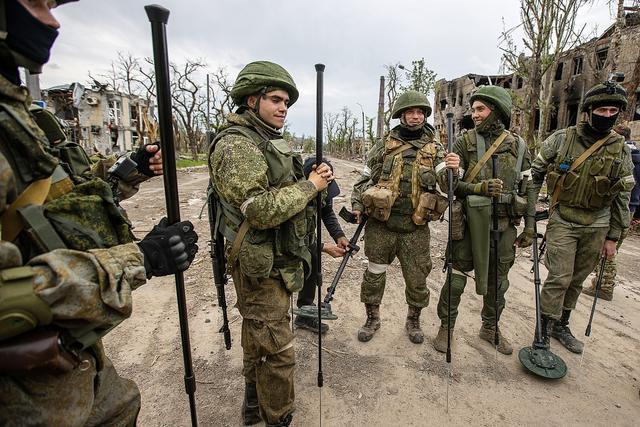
(577, 215)
(378, 201)
(20, 308)
(431, 207)
(37, 351)
(458, 220)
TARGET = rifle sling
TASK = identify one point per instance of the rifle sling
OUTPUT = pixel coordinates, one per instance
(487, 155)
(237, 242)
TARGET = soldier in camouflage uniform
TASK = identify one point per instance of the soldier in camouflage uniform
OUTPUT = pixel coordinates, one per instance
(589, 204)
(262, 195)
(68, 264)
(398, 192)
(491, 112)
(610, 265)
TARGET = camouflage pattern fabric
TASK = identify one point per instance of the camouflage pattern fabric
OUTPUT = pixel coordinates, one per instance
(82, 288)
(463, 261)
(267, 354)
(572, 253)
(507, 154)
(382, 246)
(610, 271)
(240, 176)
(573, 249)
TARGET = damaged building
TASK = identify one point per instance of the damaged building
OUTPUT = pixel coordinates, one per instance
(576, 71)
(99, 118)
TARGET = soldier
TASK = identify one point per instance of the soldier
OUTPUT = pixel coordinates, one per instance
(263, 195)
(68, 263)
(589, 176)
(610, 266)
(330, 221)
(398, 192)
(471, 246)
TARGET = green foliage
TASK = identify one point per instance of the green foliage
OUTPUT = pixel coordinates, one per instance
(189, 163)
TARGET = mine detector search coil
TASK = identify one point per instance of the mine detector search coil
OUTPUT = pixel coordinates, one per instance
(158, 17)
(536, 358)
(325, 310)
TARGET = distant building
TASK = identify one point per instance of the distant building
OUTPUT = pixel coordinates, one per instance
(577, 71)
(98, 118)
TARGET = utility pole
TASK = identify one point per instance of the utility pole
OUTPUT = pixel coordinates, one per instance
(380, 127)
(365, 141)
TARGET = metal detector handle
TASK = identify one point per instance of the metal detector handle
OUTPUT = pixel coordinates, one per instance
(353, 248)
(603, 260)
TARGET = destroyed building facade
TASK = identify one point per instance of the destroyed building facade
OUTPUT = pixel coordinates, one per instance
(99, 118)
(576, 71)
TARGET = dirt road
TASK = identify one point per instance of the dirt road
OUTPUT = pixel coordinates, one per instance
(388, 381)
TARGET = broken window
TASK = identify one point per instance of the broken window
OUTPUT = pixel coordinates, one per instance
(572, 114)
(559, 69)
(519, 83)
(507, 84)
(553, 119)
(115, 112)
(601, 57)
(536, 125)
(577, 65)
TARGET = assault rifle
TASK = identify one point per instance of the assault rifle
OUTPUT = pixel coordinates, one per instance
(219, 265)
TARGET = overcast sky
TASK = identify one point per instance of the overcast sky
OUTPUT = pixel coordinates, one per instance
(354, 38)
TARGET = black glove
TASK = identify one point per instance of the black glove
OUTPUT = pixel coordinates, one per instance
(168, 249)
(141, 157)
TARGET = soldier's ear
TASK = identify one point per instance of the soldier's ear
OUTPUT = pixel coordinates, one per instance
(251, 101)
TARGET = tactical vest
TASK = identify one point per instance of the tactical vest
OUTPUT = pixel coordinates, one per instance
(79, 211)
(511, 155)
(407, 172)
(591, 186)
(278, 247)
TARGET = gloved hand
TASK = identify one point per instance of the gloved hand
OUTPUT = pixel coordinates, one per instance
(168, 249)
(147, 155)
(488, 187)
(525, 239)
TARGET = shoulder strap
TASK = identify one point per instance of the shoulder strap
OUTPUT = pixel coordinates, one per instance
(577, 162)
(522, 148)
(34, 194)
(235, 248)
(399, 150)
(478, 166)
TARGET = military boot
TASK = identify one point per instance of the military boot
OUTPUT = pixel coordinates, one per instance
(372, 324)
(606, 292)
(284, 422)
(412, 325)
(440, 342)
(560, 331)
(545, 328)
(487, 333)
(250, 410)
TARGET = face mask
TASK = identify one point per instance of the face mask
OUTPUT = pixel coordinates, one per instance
(27, 36)
(602, 123)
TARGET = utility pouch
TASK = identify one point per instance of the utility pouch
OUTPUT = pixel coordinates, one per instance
(552, 180)
(377, 202)
(518, 206)
(256, 254)
(458, 221)
(431, 207)
(40, 350)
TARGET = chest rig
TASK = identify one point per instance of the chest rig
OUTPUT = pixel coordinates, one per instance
(258, 251)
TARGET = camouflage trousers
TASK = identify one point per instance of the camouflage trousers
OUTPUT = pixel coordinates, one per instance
(381, 247)
(267, 342)
(462, 261)
(572, 253)
(610, 269)
(97, 396)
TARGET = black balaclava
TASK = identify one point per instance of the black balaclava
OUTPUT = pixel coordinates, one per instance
(26, 36)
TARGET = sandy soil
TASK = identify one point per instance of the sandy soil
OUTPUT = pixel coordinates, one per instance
(388, 381)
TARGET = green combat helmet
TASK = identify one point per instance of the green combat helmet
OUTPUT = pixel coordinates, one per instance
(608, 93)
(410, 99)
(259, 75)
(496, 96)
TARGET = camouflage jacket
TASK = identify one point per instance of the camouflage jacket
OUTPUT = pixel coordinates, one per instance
(375, 159)
(239, 175)
(615, 216)
(81, 287)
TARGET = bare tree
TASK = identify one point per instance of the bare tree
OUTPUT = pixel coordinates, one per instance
(220, 102)
(185, 93)
(549, 28)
